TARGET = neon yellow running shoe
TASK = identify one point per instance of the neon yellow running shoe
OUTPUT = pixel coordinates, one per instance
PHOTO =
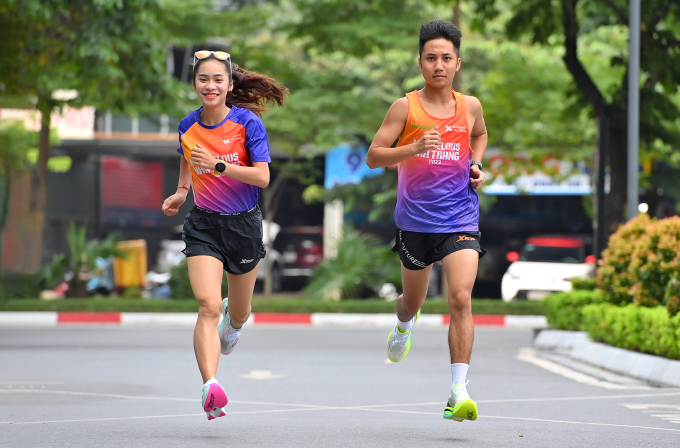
(399, 343)
(460, 407)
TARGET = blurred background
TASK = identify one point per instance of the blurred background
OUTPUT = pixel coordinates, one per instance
(91, 94)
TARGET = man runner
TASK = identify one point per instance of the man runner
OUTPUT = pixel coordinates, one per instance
(441, 142)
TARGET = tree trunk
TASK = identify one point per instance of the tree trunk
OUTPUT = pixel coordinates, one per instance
(271, 197)
(38, 198)
(456, 21)
(618, 166)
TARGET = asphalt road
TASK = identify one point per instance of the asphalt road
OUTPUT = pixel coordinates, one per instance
(309, 387)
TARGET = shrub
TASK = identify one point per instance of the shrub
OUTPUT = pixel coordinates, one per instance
(613, 275)
(180, 286)
(362, 265)
(655, 263)
(563, 309)
(643, 329)
(583, 284)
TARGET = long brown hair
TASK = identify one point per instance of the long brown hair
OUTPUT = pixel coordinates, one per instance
(252, 91)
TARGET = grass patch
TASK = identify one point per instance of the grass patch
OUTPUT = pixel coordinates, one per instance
(263, 305)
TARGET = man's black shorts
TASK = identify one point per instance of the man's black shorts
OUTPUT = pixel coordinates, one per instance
(419, 250)
(233, 238)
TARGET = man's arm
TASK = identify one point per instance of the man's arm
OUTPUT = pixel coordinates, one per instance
(381, 154)
(478, 141)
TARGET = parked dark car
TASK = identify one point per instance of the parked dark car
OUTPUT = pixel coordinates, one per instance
(301, 249)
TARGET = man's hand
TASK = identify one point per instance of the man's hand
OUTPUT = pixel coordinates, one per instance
(477, 177)
(429, 140)
(202, 158)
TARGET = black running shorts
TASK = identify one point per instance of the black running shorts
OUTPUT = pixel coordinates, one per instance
(233, 238)
(419, 250)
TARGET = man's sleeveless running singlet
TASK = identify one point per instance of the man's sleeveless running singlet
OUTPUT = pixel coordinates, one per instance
(434, 191)
(238, 140)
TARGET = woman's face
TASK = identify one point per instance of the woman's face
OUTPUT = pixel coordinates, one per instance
(211, 83)
(439, 62)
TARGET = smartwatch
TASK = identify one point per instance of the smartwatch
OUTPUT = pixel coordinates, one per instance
(220, 166)
(479, 164)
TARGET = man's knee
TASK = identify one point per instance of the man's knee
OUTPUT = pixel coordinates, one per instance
(460, 301)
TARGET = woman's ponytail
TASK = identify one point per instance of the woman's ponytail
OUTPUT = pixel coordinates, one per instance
(254, 91)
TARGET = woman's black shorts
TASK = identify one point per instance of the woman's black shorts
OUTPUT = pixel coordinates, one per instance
(419, 250)
(233, 238)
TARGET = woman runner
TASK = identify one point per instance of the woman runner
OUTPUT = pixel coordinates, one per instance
(442, 139)
(225, 157)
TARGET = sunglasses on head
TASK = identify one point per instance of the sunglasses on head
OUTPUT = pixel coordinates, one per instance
(221, 55)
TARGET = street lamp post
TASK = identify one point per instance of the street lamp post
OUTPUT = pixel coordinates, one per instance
(633, 107)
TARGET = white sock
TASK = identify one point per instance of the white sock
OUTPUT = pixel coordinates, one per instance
(405, 326)
(458, 373)
(230, 325)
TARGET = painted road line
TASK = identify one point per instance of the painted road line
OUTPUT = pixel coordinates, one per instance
(159, 319)
(528, 355)
(281, 318)
(48, 318)
(88, 318)
(366, 320)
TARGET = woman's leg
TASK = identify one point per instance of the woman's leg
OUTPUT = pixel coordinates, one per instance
(240, 295)
(205, 274)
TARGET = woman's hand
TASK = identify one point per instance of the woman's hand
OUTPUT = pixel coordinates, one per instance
(202, 158)
(171, 205)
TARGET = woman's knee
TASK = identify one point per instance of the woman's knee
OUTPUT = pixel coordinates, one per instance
(209, 308)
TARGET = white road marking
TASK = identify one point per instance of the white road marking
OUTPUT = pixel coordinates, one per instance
(671, 412)
(32, 382)
(578, 423)
(528, 356)
(261, 375)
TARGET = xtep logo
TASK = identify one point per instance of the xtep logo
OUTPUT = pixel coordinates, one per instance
(465, 238)
(455, 128)
(233, 139)
(244, 261)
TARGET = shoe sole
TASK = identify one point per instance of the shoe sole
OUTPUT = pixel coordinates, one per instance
(216, 399)
(215, 413)
(408, 344)
(466, 410)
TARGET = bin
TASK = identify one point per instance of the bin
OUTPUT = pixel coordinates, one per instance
(130, 271)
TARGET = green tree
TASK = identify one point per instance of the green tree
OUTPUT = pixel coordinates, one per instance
(573, 24)
(113, 53)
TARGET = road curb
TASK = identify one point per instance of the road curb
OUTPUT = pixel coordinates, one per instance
(314, 319)
(655, 370)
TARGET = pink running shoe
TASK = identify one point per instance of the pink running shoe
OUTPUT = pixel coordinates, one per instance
(214, 399)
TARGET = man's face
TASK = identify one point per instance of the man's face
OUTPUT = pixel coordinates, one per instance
(439, 62)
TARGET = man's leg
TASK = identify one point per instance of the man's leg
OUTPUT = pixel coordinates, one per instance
(408, 304)
(461, 270)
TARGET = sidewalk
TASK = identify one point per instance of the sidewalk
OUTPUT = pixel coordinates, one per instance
(313, 319)
(655, 370)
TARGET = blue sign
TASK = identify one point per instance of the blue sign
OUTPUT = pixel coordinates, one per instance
(346, 164)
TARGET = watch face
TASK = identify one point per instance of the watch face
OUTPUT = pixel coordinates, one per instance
(220, 166)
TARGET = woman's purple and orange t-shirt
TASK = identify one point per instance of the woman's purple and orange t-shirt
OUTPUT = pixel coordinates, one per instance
(240, 140)
(434, 192)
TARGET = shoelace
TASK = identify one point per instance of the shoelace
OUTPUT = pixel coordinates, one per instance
(460, 392)
(399, 338)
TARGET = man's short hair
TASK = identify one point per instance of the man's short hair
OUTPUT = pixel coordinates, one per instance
(439, 29)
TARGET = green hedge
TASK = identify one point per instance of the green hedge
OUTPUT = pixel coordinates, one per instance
(264, 305)
(563, 309)
(643, 329)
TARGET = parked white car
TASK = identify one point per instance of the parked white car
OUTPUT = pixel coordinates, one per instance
(546, 264)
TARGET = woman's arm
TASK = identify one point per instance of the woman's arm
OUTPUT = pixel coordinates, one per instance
(171, 204)
(381, 154)
(257, 175)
